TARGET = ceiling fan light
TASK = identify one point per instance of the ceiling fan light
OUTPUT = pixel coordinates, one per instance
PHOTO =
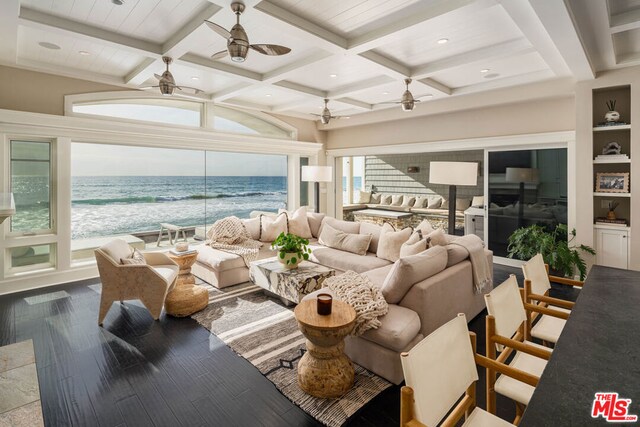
(237, 59)
(117, 2)
(408, 106)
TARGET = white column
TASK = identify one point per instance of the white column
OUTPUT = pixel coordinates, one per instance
(63, 202)
(293, 181)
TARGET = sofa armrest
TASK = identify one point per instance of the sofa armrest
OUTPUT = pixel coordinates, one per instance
(441, 297)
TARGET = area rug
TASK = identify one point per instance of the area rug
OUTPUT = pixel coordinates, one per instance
(263, 331)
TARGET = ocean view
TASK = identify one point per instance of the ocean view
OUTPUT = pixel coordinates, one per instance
(107, 205)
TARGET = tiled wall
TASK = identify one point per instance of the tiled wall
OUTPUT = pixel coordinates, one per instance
(389, 173)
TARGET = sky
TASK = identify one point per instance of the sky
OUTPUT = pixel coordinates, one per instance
(118, 160)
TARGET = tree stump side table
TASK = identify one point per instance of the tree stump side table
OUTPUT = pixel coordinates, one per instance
(324, 370)
(186, 297)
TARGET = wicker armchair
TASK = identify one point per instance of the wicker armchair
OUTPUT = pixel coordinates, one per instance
(150, 282)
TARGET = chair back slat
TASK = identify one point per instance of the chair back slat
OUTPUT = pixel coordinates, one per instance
(504, 303)
(439, 369)
(535, 270)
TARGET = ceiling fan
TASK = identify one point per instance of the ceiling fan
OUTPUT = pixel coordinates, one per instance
(408, 102)
(237, 41)
(326, 116)
(167, 83)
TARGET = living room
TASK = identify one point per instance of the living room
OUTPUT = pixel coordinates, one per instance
(179, 207)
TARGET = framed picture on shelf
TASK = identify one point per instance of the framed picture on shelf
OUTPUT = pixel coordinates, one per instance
(612, 182)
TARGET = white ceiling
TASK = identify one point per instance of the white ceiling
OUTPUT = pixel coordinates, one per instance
(354, 52)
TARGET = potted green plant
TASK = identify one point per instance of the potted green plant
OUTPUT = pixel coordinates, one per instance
(556, 248)
(292, 249)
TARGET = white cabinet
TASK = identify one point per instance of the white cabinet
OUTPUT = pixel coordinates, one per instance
(612, 246)
(474, 222)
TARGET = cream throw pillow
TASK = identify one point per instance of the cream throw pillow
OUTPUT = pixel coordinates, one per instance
(315, 221)
(414, 245)
(425, 227)
(477, 201)
(408, 201)
(364, 197)
(374, 231)
(391, 241)
(272, 227)
(410, 270)
(396, 200)
(385, 199)
(435, 202)
(136, 258)
(375, 198)
(345, 226)
(421, 202)
(253, 227)
(437, 238)
(354, 243)
(298, 222)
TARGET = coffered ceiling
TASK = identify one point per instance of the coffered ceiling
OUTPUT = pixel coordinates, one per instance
(354, 52)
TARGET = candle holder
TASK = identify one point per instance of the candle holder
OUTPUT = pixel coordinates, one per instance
(324, 304)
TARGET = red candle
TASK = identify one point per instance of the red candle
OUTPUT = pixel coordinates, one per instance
(324, 304)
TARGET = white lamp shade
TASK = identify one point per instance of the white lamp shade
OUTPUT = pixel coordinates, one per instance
(526, 175)
(453, 173)
(317, 174)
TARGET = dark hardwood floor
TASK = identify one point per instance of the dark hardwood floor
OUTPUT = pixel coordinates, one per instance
(138, 372)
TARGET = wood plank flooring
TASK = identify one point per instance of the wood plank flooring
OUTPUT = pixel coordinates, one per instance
(138, 372)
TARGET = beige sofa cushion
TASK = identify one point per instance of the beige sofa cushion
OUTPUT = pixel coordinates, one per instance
(117, 249)
(396, 200)
(298, 222)
(385, 199)
(221, 261)
(414, 245)
(456, 254)
(374, 230)
(354, 243)
(408, 201)
(253, 227)
(462, 204)
(397, 328)
(434, 202)
(421, 202)
(391, 241)
(315, 221)
(437, 238)
(270, 227)
(363, 197)
(345, 226)
(377, 276)
(341, 260)
(410, 270)
(375, 198)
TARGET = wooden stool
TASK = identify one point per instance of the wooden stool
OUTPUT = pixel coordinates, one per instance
(170, 228)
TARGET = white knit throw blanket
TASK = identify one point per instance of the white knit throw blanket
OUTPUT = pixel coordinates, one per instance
(230, 235)
(363, 296)
(482, 270)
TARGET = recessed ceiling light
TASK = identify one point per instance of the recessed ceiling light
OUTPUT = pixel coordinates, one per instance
(268, 95)
(117, 2)
(195, 78)
(443, 41)
(346, 117)
(428, 96)
(84, 53)
(491, 76)
(333, 75)
(385, 93)
(485, 70)
(48, 45)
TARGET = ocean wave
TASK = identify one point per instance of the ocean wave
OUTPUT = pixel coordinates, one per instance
(164, 199)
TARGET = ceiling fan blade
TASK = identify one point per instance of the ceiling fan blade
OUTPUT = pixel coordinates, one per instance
(157, 76)
(388, 102)
(218, 29)
(219, 55)
(192, 89)
(148, 87)
(270, 49)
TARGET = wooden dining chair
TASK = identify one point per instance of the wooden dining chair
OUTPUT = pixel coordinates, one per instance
(546, 316)
(505, 334)
(439, 370)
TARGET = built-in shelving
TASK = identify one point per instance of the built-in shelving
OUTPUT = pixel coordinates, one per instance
(611, 162)
(602, 194)
(611, 227)
(611, 128)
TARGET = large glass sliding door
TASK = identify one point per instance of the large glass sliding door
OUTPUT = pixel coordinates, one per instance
(525, 187)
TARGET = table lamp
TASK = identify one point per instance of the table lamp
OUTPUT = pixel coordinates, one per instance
(453, 174)
(522, 176)
(317, 174)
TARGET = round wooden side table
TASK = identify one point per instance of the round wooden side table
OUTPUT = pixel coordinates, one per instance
(186, 297)
(324, 370)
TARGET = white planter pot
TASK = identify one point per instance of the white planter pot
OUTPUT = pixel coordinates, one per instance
(286, 261)
(612, 116)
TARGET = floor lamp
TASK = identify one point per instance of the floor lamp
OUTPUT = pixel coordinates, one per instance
(522, 176)
(317, 174)
(453, 174)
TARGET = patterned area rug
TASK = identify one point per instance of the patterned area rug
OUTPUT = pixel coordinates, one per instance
(265, 332)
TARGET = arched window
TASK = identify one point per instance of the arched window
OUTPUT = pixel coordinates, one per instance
(145, 107)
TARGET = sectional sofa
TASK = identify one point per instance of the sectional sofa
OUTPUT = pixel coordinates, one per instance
(430, 300)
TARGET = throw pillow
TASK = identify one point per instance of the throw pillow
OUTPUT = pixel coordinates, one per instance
(315, 221)
(298, 222)
(270, 227)
(396, 200)
(463, 204)
(425, 227)
(391, 241)
(435, 202)
(364, 197)
(253, 227)
(477, 202)
(375, 198)
(136, 258)
(421, 202)
(345, 226)
(437, 238)
(414, 245)
(445, 204)
(385, 199)
(408, 201)
(354, 243)
(410, 270)
(374, 231)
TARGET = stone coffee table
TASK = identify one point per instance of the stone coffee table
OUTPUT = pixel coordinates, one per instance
(290, 285)
(186, 297)
(324, 370)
